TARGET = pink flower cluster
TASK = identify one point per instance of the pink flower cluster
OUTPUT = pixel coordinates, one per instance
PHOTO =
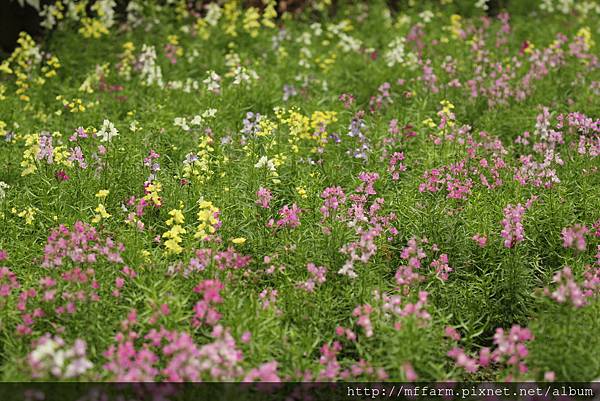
(393, 304)
(567, 289)
(512, 225)
(8, 282)
(441, 267)
(574, 237)
(317, 277)
(163, 355)
(395, 166)
(81, 245)
(289, 217)
(362, 312)
(264, 197)
(228, 259)
(204, 310)
(333, 198)
(510, 350)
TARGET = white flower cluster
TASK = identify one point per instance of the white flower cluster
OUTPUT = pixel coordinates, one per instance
(150, 72)
(3, 187)
(213, 82)
(52, 357)
(396, 54)
(107, 132)
(197, 121)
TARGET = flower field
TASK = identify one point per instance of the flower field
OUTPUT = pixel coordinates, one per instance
(357, 191)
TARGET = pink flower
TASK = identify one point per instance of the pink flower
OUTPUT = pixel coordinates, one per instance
(463, 360)
(264, 197)
(289, 217)
(267, 372)
(333, 197)
(574, 237)
(363, 312)
(317, 276)
(452, 333)
(513, 231)
(409, 372)
(480, 239)
(567, 290)
(441, 267)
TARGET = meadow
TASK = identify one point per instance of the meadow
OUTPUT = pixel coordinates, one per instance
(350, 191)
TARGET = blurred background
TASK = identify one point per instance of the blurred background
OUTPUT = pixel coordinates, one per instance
(23, 15)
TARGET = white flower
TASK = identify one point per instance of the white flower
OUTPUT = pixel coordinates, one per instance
(265, 162)
(213, 82)
(482, 4)
(426, 16)
(395, 54)
(242, 74)
(108, 131)
(209, 113)
(181, 122)
(197, 120)
(3, 186)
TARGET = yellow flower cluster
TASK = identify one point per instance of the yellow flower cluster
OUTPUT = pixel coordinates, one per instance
(251, 19)
(60, 154)
(52, 65)
(32, 148)
(207, 220)
(92, 28)
(100, 210)
(266, 127)
(27, 214)
(23, 62)
(173, 235)
(74, 106)
(586, 35)
(297, 124)
(199, 170)
(447, 108)
(319, 120)
(153, 194)
(313, 128)
(126, 60)
(455, 25)
(251, 22)
(231, 14)
(269, 14)
(325, 63)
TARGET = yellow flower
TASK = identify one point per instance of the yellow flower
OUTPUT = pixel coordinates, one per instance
(302, 192)
(101, 213)
(176, 217)
(239, 240)
(173, 235)
(28, 214)
(103, 193)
